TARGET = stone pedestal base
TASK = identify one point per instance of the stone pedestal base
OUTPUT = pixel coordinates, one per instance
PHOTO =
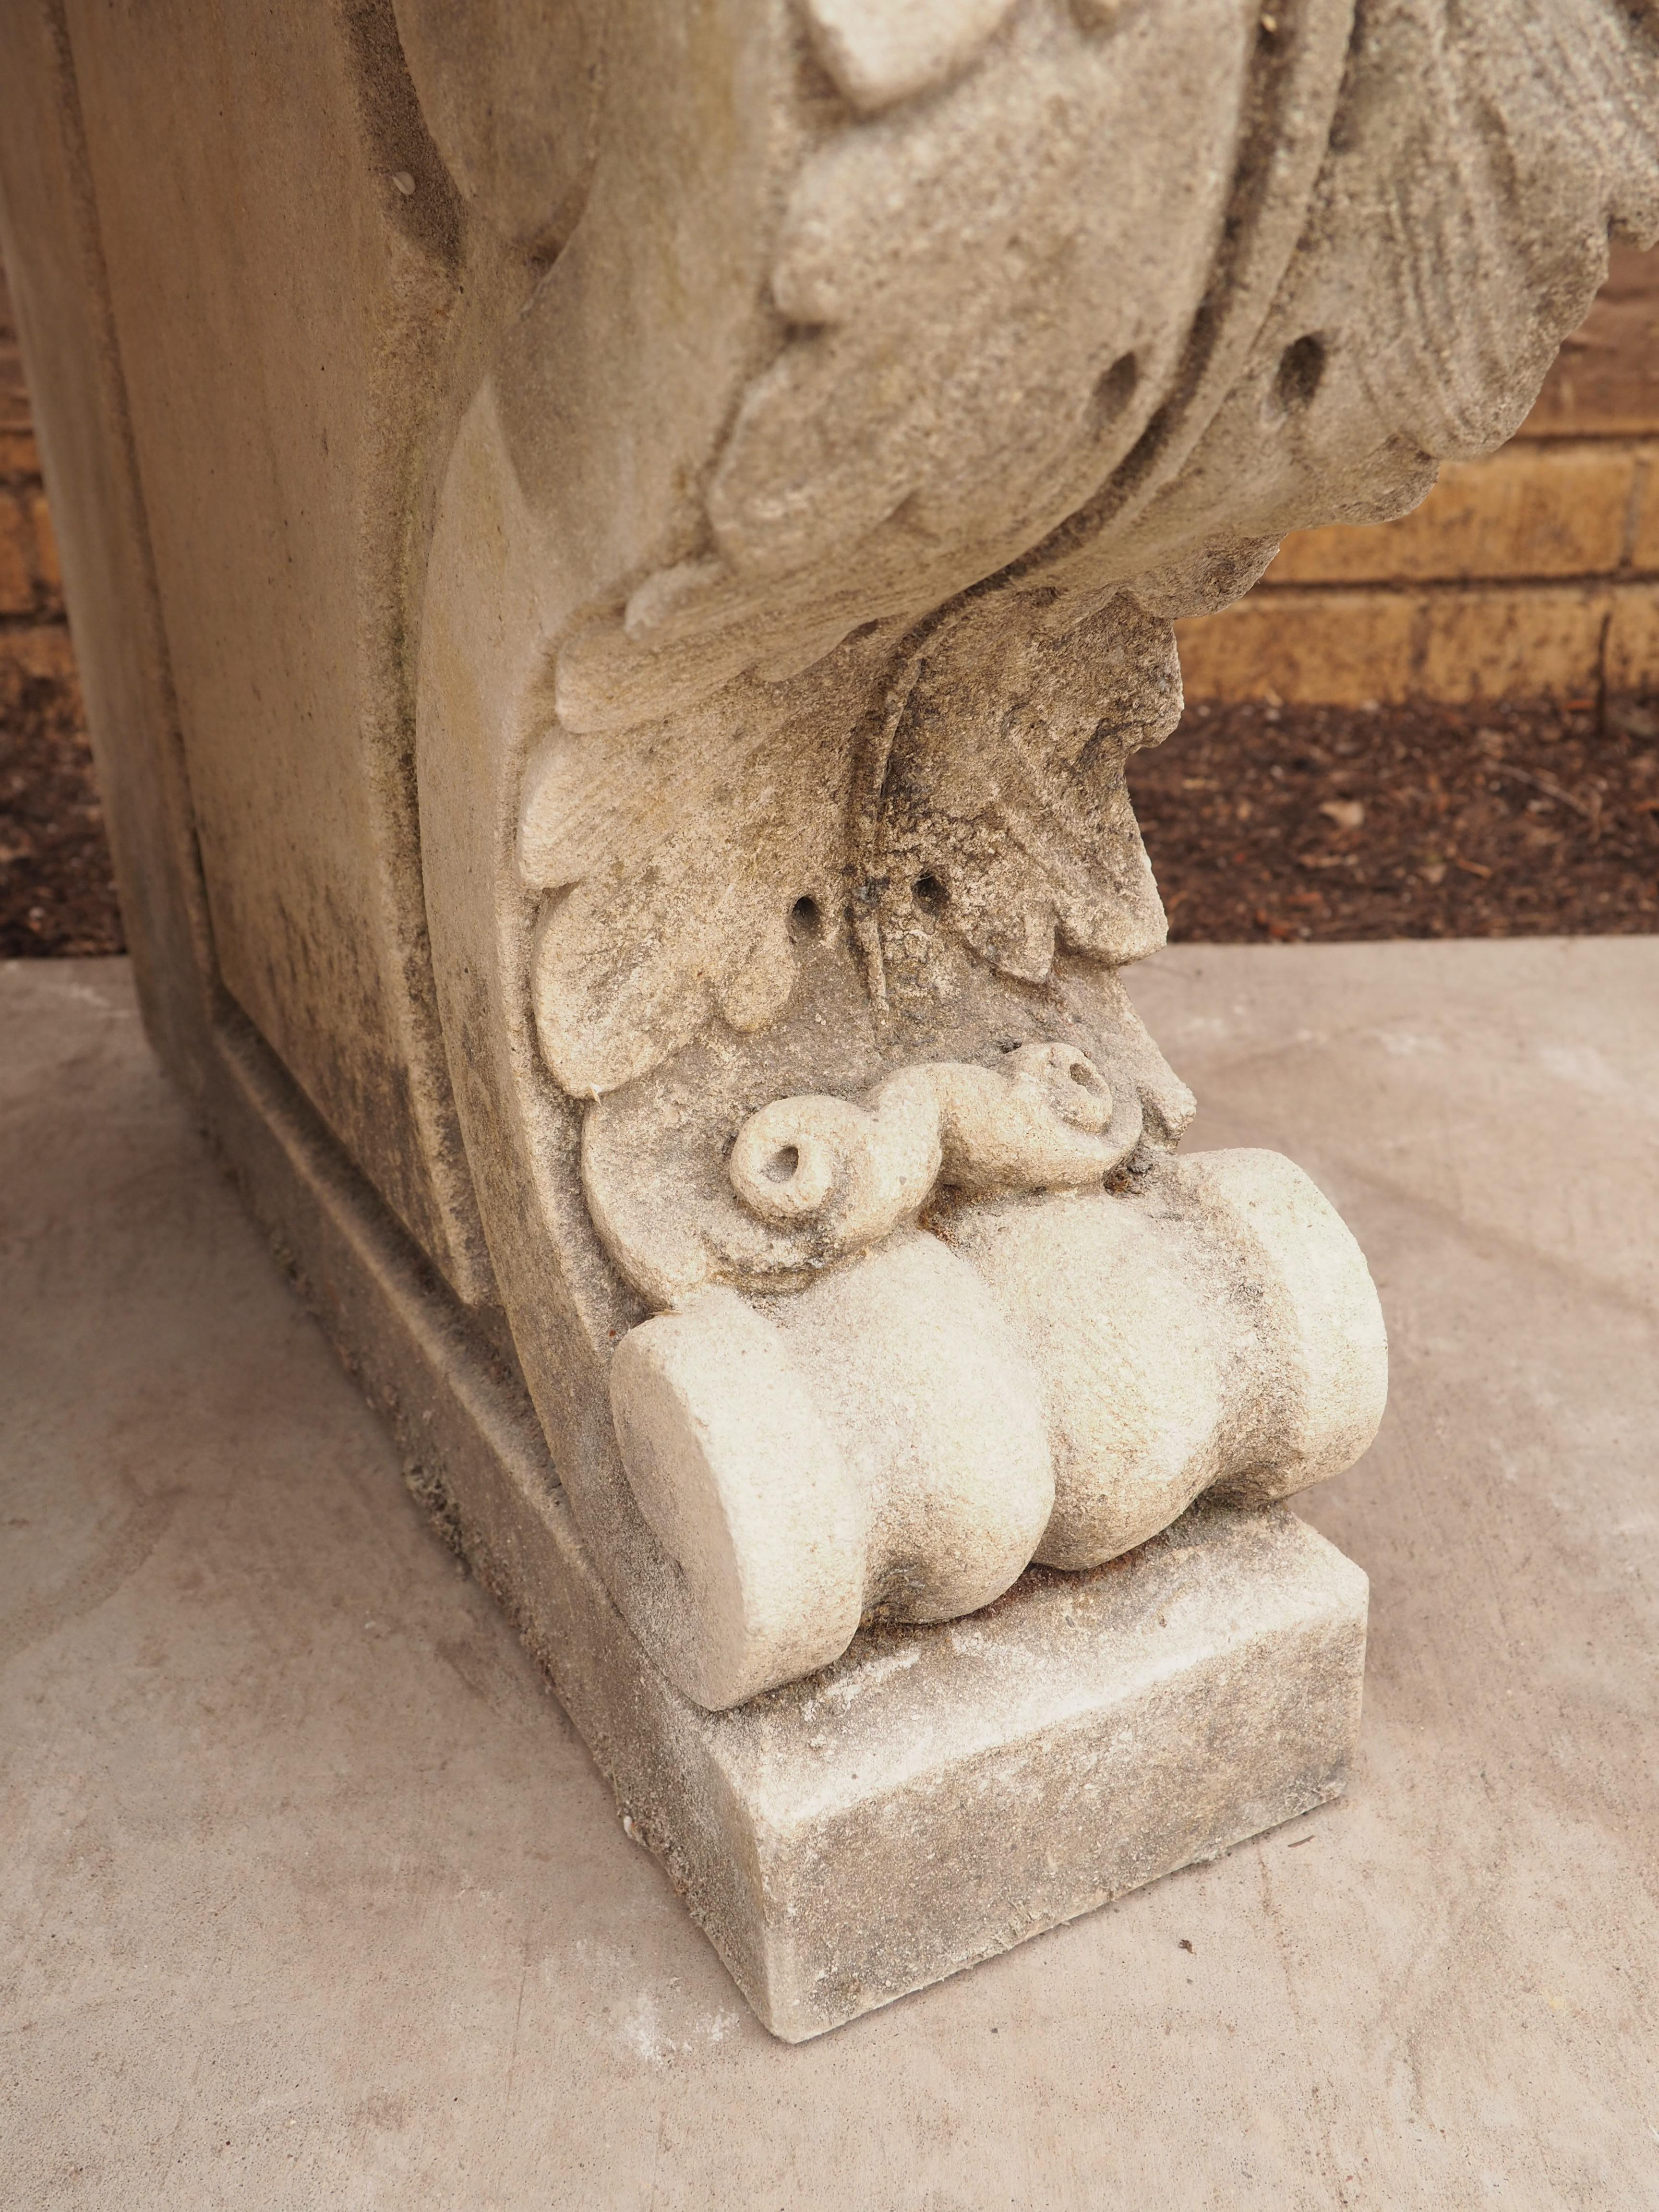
(938, 1794)
(943, 1793)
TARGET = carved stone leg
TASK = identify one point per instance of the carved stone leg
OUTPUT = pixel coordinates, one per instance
(620, 554)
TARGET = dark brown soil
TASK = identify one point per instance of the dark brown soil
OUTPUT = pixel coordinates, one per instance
(1501, 820)
(1315, 823)
(56, 894)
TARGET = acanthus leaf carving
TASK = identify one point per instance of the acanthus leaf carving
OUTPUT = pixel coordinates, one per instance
(983, 805)
(1025, 333)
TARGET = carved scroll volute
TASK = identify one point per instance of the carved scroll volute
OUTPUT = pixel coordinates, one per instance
(804, 560)
(576, 465)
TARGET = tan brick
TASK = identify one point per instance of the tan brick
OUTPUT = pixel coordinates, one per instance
(1529, 511)
(1644, 518)
(1605, 380)
(43, 649)
(1346, 645)
(49, 576)
(1540, 641)
(1633, 639)
(16, 558)
(1331, 645)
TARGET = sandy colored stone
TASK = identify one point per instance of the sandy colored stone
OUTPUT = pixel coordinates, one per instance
(802, 1842)
(1103, 1730)
(1571, 496)
(622, 555)
(1050, 1377)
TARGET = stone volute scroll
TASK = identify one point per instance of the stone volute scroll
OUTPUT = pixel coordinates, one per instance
(849, 396)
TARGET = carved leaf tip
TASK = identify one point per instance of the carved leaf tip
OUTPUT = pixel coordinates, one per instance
(880, 51)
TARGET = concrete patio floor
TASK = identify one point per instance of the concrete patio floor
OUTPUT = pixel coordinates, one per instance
(309, 1897)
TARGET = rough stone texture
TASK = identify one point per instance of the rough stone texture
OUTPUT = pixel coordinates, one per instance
(638, 546)
(974, 1782)
(311, 1895)
(263, 372)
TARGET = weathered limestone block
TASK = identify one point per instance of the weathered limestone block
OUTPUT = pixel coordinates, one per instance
(621, 728)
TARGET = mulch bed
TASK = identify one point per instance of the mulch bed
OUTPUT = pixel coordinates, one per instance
(1263, 822)
(1323, 822)
(57, 893)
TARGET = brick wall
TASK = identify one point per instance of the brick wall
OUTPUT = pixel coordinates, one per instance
(33, 632)
(1533, 573)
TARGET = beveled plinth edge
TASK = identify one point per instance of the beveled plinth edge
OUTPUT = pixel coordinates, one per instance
(939, 1794)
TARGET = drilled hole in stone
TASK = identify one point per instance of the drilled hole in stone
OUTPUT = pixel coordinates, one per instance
(930, 894)
(1115, 390)
(1084, 1076)
(781, 1168)
(1301, 370)
(805, 918)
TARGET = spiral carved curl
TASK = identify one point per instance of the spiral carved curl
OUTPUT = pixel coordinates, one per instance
(1044, 1120)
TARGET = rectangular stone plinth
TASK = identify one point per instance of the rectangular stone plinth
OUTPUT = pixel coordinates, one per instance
(939, 1794)
(943, 1793)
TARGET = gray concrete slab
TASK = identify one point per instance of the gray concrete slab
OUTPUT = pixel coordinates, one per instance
(308, 1895)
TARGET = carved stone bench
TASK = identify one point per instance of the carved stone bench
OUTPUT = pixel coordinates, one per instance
(618, 552)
